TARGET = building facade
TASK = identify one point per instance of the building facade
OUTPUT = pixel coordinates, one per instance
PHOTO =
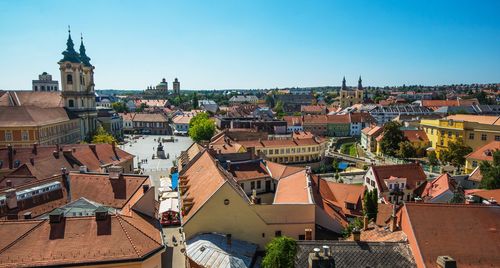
(350, 97)
(45, 83)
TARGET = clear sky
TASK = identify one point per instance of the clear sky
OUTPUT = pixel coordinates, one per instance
(255, 43)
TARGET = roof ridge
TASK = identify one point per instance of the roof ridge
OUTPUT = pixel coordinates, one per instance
(128, 237)
(21, 237)
(123, 217)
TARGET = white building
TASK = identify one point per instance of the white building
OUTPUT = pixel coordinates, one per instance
(45, 83)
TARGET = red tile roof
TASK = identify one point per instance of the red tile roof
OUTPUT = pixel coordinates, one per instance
(146, 117)
(249, 171)
(413, 173)
(489, 194)
(32, 116)
(467, 233)
(293, 189)
(438, 186)
(485, 153)
(77, 240)
(312, 108)
(416, 135)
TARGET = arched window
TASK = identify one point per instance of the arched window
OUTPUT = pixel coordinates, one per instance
(69, 79)
(71, 103)
(82, 103)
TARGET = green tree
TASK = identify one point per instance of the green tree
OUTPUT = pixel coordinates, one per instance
(406, 150)
(356, 223)
(141, 108)
(280, 253)
(455, 153)
(201, 127)
(119, 107)
(458, 196)
(279, 109)
(393, 136)
(491, 172)
(195, 101)
(335, 165)
(432, 157)
(270, 101)
(102, 136)
(370, 204)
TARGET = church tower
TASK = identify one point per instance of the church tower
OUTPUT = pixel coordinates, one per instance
(359, 91)
(77, 86)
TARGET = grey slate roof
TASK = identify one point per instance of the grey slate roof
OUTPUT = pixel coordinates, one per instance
(351, 254)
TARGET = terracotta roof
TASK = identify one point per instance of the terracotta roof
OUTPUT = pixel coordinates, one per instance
(481, 119)
(467, 233)
(338, 194)
(282, 143)
(144, 117)
(456, 102)
(39, 99)
(204, 179)
(73, 156)
(182, 119)
(293, 120)
(312, 108)
(110, 192)
(77, 240)
(293, 189)
(412, 172)
(372, 130)
(489, 194)
(438, 186)
(152, 103)
(127, 116)
(225, 145)
(338, 119)
(279, 171)
(476, 175)
(248, 171)
(32, 116)
(384, 213)
(375, 233)
(485, 153)
(416, 135)
(362, 118)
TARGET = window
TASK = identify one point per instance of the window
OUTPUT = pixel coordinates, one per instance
(277, 233)
(484, 137)
(252, 185)
(276, 151)
(8, 135)
(367, 180)
(81, 101)
(69, 79)
(302, 237)
(402, 185)
(471, 136)
(71, 103)
(242, 186)
(25, 135)
(449, 134)
(474, 163)
(497, 137)
(258, 184)
(390, 186)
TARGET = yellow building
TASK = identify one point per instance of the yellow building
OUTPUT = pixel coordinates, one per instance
(485, 153)
(25, 125)
(350, 97)
(212, 200)
(301, 147)
(474, 130)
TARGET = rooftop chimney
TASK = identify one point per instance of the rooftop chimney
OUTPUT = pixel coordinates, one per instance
(393, 223)
(35, 148)
(27, 215)
(83, 169)
(55, 153)
(32, 161)
(11, 156)
(356, 234)
(8, 183)
(56, 216)
(320, 260)
(446, 262)
(145, 188)
(11, 198)
(115, 172)
(365, 222)
(101, 213)
(228, 162)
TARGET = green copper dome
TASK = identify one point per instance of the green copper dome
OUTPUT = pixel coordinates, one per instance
(70, 54)
(83, 56)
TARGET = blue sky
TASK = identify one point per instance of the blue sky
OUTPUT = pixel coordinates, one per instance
(255, 43)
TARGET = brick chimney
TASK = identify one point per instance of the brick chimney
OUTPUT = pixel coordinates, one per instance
(101, 213)
(356, 234)
(56, 216)
(446, 262)
(115, 172)
(318, 259)
(8, 183)
(11, 198)
(11, 156)
(365, 222)
(35, 148)
(32, 161)
(228, 163)
(55, 153)
(27, 215)
(393, 223)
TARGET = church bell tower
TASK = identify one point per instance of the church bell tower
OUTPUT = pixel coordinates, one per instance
(77, 86)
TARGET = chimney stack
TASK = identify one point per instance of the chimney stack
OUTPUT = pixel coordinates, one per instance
(115, 172)
(145, 188)
(320, 260)
(27, 215)
(365, 222)
(393, 223)
(228, 163)
(8, 183)
(11, 198)
(32, 161)
(446, 262)
(35, 148)
(55, 153)
(56, 216)
(356, 234)
(101, 213)
(11, 156)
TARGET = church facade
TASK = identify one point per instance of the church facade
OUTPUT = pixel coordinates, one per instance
(349, 97)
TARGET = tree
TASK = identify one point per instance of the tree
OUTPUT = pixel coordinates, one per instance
(280, 253)
(458, 195)
(119, 107)
(455, 153)
(491, 172)
(195, 101)
(370, 204)
(279, 109)
(393, 136)
(141, 108)
(201, 127)
(335, 165)
(406, 150)
(102, 136)
(432, 157)
(270, 101)
(356, 223)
